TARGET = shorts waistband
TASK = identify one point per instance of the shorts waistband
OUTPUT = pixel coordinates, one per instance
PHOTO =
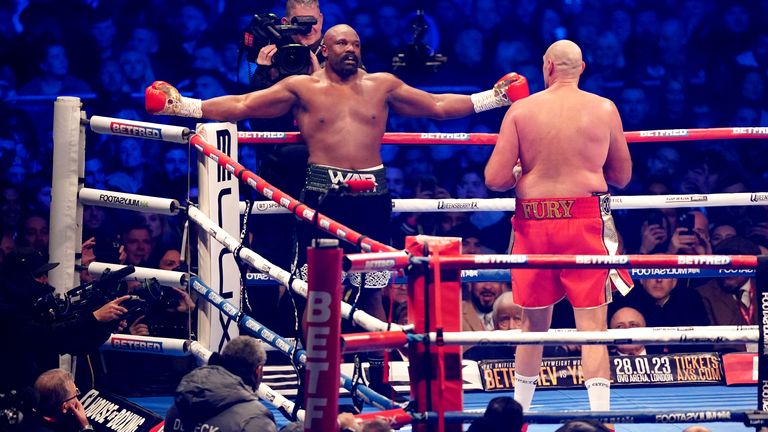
(563, 208)
(320, 178)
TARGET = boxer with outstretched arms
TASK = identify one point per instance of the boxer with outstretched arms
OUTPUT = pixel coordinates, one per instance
(341, 112)
(571, 146)
(339, 101)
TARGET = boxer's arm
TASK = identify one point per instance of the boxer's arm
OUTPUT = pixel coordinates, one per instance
(618, 164)
(412, 102)
(500, 171)
(270, 102)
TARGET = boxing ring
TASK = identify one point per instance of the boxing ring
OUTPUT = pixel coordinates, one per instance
(433, 339)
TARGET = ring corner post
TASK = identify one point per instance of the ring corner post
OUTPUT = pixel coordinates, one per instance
(68, 158)
(761, 278)
(424, 361)
(219, 195)
(323, 371)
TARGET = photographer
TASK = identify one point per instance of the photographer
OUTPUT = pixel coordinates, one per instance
(162, 311)
(29, 325)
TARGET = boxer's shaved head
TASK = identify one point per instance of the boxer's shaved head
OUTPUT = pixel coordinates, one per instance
(341, 47)
(337, 31)
(565, 58)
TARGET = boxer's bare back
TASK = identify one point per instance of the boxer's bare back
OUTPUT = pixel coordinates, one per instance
(570, 142)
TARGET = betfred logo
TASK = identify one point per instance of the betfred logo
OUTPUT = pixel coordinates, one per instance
(602, 259)
(262, 135)
(118, 128)
(703, 259)
(665, 133)
(501, 259)
(750, 130)
(446, 136)
(125, 344)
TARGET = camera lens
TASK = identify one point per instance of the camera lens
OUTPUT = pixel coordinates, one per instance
(292, 59)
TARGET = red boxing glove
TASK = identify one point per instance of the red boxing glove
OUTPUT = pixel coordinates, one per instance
(510, 88)
(163, 98)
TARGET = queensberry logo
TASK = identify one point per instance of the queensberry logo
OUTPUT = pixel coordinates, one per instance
(134, 130)
(755, 197)
(456, 205)
(136, 345)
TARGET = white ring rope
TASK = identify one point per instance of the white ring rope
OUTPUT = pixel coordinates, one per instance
(133, 128)
(281, 276)
(508, 204)
(644, 335)
(127, 201)
(164, 277)
(147, 344)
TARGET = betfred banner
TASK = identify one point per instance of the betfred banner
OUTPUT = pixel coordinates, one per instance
(566, 372)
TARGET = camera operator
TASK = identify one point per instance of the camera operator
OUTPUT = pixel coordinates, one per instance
(29, 325)
(283, 165)
(163, 311)
(268, 73)
(168, 310)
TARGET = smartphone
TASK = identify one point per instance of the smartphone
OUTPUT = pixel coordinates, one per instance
(107, 250)
(687, 221)
(655, 217)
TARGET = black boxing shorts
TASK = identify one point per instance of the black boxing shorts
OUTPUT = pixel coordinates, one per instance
(368, 213)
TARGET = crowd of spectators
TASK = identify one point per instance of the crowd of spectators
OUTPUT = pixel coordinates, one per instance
(666, 64)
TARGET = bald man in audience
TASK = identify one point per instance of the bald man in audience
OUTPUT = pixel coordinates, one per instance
(626, 318)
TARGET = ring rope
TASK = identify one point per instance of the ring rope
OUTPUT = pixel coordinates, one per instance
(645, 336)
(360, 342)
(752, 418)
(258, 330)
(386, 262)
(624, 202)
(500, 275)
(281, 276)
(298, 208)
(461, 138)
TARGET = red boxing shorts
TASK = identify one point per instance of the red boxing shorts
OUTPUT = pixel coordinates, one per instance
(572, 226)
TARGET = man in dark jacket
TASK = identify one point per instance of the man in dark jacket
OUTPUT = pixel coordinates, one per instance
(35, 338)
(732, 300)
(221, 395)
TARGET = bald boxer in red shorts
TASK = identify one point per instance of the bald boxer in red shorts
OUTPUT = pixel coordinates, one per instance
(570, 146)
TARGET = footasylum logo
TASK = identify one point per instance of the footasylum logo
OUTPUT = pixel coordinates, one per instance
(126, 201)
